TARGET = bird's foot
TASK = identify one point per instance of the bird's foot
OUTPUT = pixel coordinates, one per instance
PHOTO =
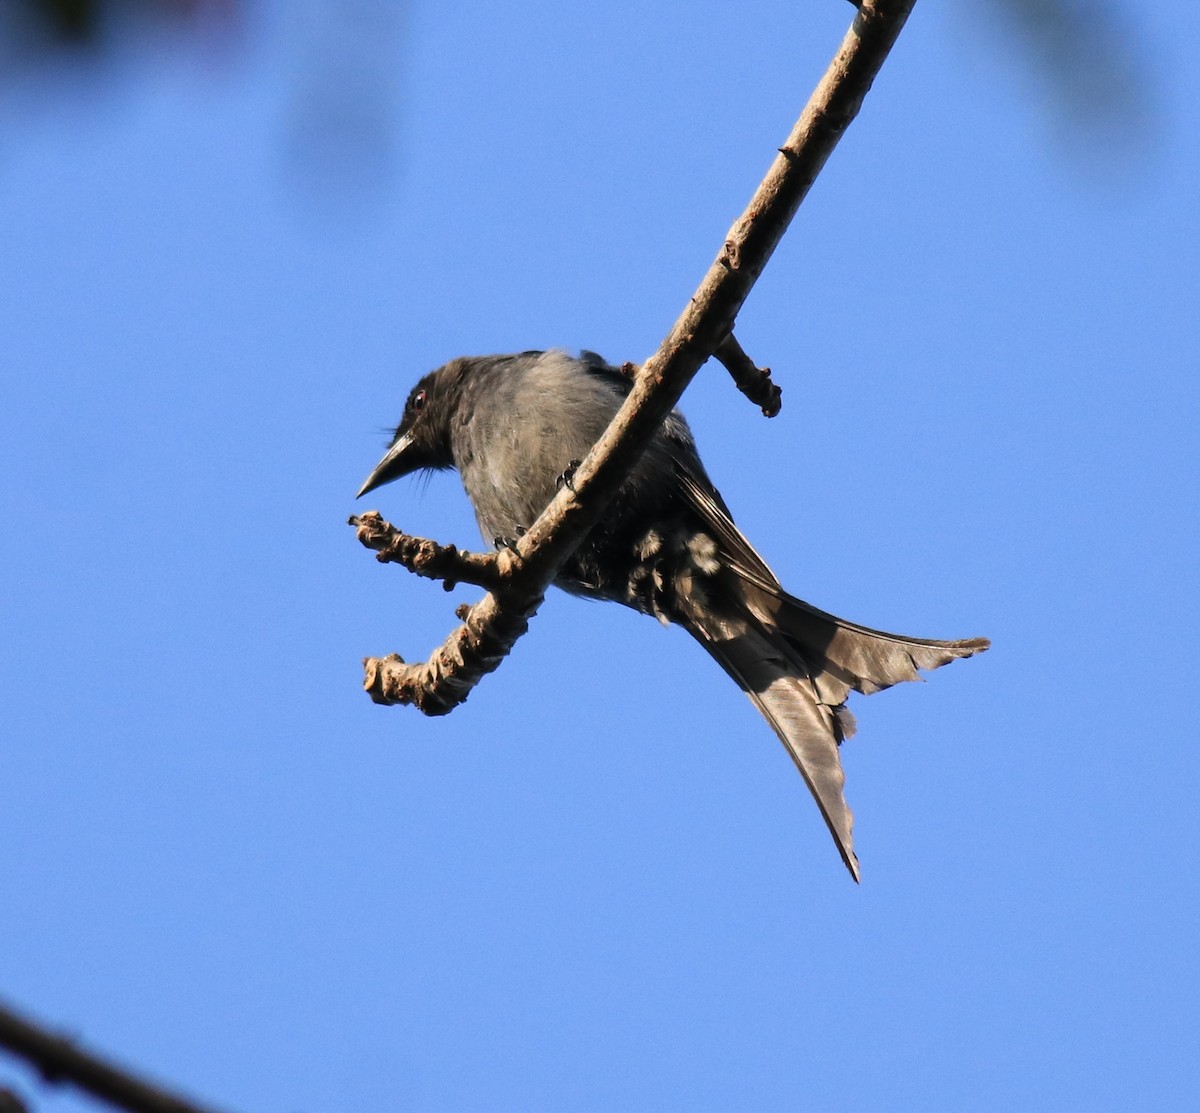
(567, 479)
(509, 542)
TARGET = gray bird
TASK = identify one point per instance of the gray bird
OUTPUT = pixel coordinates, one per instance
(515, 425)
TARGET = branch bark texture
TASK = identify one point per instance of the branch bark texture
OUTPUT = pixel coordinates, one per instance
(493, 624)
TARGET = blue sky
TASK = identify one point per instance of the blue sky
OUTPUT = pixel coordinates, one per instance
(599, 884)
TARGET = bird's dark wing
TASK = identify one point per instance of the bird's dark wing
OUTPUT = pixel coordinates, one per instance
(841, 655)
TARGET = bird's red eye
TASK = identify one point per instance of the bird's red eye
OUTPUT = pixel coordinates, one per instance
(418, 402)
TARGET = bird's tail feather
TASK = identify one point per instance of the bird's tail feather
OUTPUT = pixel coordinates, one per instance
(843, 656)
(788, 699)
(798, 665)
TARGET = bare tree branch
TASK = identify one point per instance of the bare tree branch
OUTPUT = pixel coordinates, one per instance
(753, 381)
(426, 558)
(60, 1060)
(493, 624)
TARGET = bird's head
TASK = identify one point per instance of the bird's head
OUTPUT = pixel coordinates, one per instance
(422, 439)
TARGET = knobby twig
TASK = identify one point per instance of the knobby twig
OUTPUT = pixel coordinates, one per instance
(60, 1060)
(754, 382)
(427, 558)
(492, 625)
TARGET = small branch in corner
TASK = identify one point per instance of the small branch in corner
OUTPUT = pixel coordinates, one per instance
(61, 1060)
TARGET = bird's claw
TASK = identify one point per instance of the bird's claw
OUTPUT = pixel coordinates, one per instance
(567, 479)
(509, 542)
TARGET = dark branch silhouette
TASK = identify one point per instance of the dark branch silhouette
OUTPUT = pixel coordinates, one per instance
(60, 1060)
(492, 626)
(11, 1102)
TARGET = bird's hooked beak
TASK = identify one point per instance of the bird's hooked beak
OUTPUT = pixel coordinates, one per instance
(392, 466)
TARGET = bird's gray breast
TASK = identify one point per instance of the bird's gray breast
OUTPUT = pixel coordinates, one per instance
(522, 422)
